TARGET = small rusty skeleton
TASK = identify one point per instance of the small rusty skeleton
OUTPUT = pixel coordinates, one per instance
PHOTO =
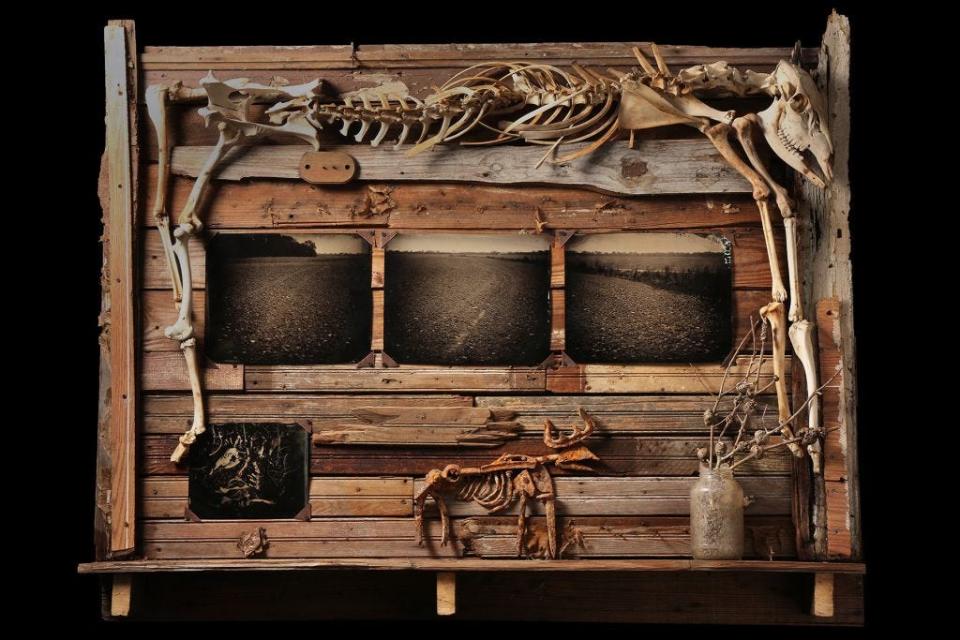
(510, 478)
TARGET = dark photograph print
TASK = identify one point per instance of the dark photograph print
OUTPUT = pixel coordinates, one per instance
(467, 299)
(647, 298)
(288, 299)
(249, 470)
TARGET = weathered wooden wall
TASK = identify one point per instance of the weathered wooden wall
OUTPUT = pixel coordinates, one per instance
(361, 496)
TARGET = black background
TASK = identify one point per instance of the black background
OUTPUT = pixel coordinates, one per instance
(72, 119)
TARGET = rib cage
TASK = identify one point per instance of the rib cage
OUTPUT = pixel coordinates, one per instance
(492, 491)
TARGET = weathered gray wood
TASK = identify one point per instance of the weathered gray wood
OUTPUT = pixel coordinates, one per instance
(824, 250)
(654, 167)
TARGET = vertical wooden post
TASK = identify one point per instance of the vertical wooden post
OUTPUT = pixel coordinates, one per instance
(121, 100)
(446, 593)
(824, 251)
(120, 595)
(822, 606)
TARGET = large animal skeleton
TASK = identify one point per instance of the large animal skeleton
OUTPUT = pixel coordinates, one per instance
(502, 102)
(510, 478)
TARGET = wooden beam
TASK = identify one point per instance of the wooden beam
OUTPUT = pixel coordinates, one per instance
(121, 592)
(824, 251)
(446, 593)
(823, 601)
(654, 167)
(471, 564)
(121, 91)
(451, 55)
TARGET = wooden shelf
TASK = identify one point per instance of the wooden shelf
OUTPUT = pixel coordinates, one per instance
(458, 564)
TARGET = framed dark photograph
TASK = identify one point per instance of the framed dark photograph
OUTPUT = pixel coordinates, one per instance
(250, 470)
(648, 297)
(460, 299)
(288, 299)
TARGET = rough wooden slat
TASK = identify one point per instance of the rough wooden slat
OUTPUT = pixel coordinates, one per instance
(472, 564)
(167, 371)
(323, 537)
(165, 497)
(267, 408)
(638, 497)
(120, 58)
(558, 311)
(662, 378)
(611, 537)
(284, 203)
(368, 55)
(653, 167)
(403, 378)
(620, 455)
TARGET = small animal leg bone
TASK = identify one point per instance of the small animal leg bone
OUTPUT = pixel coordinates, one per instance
(775, 315)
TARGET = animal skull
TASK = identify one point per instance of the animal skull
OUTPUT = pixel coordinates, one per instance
(795, 124)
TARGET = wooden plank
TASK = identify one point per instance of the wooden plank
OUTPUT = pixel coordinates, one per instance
(557, 266)
(620, 455)
(825, 255)
(446, 593)
(320, 538)
(122, 162)
(167, 371)
(158, 312)
(281, 407)
(558, 323)
(426, 55)
(120, 595)
(283, 203)
(378, 257)
(383, 425)
(470, 564)
(636, 497)
(403, 378)
(165, 497)
(654, 378)
(653, 167)
(835, 444)
(620, 537)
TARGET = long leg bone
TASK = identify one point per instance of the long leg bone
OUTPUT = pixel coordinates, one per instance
(774, 314)
(156, 96)
(801, 337)
(719, 135)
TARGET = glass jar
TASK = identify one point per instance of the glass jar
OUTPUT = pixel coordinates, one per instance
(716, 515)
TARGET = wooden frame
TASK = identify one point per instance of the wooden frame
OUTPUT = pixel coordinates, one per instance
(140, 360)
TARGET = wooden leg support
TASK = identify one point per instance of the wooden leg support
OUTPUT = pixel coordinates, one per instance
(120, 595)
(822, 595)
(446, 593)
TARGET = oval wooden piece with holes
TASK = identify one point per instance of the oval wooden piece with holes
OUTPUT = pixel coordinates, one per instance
(327, 167)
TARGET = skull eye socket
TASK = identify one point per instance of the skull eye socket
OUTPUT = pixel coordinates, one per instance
(798, 102)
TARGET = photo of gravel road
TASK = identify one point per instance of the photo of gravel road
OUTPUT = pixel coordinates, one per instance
(467, 300)
(282, 299)
(648, 297)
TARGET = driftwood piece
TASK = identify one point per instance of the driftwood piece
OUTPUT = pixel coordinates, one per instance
(654, 167)
(422, 426)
